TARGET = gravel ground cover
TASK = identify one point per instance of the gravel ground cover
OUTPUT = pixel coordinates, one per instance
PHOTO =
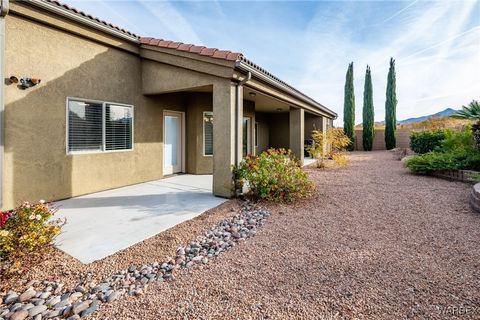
(56, 265)
(374, 242)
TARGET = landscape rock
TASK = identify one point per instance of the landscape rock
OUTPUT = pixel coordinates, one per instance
(27, 295)
(113, 296)
(36, 310)
(11, 298)
(81, 306)
(19, 315)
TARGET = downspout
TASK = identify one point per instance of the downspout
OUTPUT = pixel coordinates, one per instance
(238, 117)
(3, 12)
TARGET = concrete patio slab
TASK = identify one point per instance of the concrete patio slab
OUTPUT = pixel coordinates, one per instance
(308, 161)
(103, 223)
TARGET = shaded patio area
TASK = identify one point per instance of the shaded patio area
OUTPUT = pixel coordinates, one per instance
(103, 223)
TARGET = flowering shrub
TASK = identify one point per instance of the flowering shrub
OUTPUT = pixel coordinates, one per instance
(3, 218)
(274, 176)
(26, 229)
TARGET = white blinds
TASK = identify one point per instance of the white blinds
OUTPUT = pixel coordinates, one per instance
(118, 127)
(84, 126)
(97, 126)
(208, 133)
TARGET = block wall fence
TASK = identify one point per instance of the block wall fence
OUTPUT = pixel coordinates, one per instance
(403, 139)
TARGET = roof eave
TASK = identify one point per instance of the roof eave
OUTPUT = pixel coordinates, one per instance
(53, 8)
(247, 66)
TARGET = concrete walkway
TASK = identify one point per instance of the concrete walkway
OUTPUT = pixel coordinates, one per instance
(103, 223)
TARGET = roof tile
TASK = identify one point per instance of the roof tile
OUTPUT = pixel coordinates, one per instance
(208, 51)
(184, 47)
(145, 40)
(164, 43)
(174, 45)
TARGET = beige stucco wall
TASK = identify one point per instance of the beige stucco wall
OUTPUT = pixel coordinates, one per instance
(312, 122)
(36, 164)
(75, 61)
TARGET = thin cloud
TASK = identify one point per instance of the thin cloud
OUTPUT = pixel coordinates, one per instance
(171, 21)
(309, 44)
(400, 11)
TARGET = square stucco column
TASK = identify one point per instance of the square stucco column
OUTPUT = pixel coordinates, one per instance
(223, 137)
(297, 132)
(324, 131)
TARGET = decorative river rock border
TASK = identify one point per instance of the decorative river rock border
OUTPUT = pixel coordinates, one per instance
(50, 300)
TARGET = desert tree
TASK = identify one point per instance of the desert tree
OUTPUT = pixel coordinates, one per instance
(349, 107)
(391, 108)
(368, 113)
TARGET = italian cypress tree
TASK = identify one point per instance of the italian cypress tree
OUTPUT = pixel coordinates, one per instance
(349, 108)
(368, 115)
(391, 108)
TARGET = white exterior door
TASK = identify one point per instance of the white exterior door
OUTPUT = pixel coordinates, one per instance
(172, 142)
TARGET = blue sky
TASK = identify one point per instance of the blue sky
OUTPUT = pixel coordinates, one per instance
(309, 44)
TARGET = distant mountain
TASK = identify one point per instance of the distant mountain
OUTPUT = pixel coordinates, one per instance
(441, 114)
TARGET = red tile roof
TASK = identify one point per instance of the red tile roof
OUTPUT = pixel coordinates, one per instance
(200, 50)
(86, 15)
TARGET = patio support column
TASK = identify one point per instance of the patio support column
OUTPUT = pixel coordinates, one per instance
(224, 145)
(297, 132)
(324, 132)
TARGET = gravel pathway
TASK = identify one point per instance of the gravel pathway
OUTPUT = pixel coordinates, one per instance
(375, 243)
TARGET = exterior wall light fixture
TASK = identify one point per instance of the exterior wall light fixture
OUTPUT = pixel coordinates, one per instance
(29, 82)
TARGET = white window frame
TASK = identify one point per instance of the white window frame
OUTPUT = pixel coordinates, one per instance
(103, 103)
(203, 133)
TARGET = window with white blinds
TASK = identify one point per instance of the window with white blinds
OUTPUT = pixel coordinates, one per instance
(98, 126)
(208, 133)
(118, 127)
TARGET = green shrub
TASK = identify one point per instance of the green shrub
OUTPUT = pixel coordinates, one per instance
(426, 141)
(432, 161)
(458, 140)
(26, 229)
(274, 176)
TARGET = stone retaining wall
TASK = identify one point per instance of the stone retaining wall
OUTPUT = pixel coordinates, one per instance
(475, 197)
(457, 175)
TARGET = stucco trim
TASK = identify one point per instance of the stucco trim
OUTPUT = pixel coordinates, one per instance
(3, 12)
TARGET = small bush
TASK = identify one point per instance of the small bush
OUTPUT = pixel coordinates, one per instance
(426, 141)
(331, 145)
(26, 229)
(274, 176)
(458, 140)
(340, 159)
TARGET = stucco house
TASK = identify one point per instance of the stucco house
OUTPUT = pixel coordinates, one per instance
(87, 106)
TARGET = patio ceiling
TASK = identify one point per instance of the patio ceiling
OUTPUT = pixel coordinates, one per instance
(265, 102)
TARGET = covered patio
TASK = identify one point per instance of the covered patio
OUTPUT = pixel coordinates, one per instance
(102, 223)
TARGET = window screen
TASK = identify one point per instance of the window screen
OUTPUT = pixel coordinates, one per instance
(99, 126)
(208, 133)
(118, 127)
(84, 126)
